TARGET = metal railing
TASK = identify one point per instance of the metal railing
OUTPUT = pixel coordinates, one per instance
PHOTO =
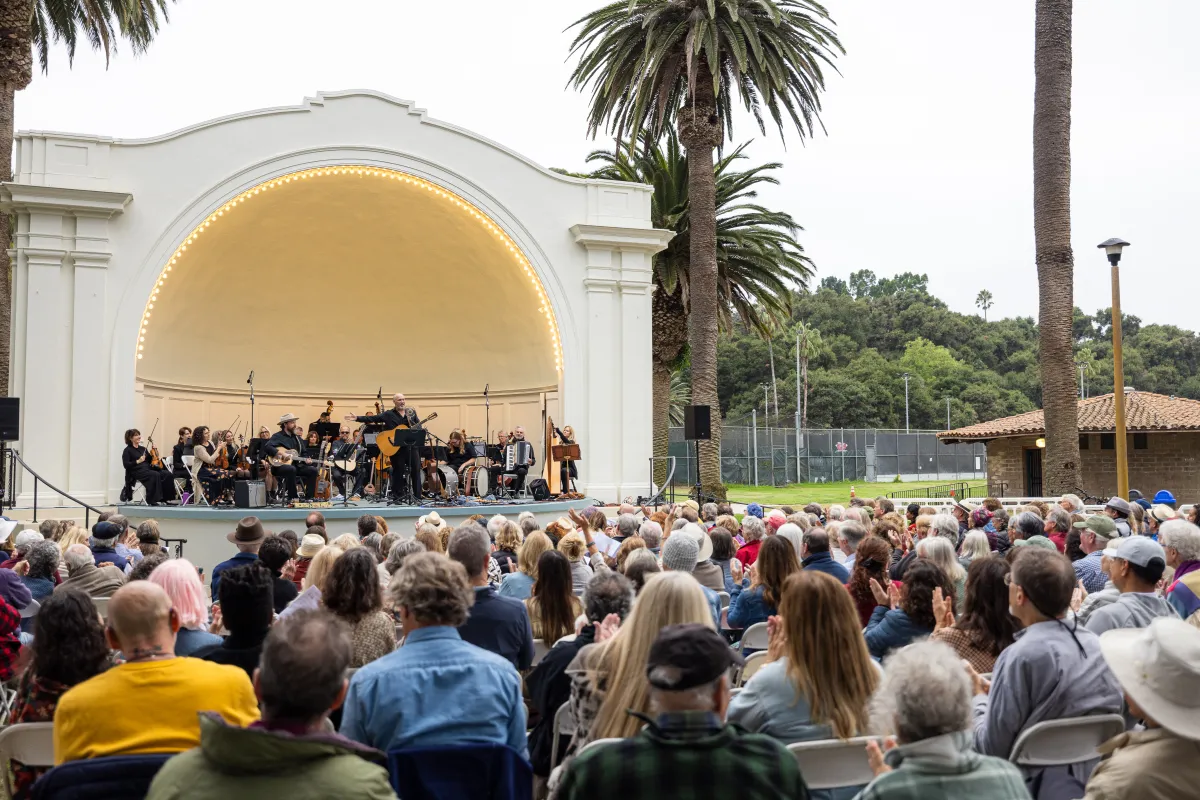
(947, 490)
(8, 479)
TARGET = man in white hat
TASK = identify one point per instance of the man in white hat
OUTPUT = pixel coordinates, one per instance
(288, 438)
(1158, 668)
(1135, 570)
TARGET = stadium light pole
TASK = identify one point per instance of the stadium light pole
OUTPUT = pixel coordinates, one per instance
(906, 402)
(1113, 248)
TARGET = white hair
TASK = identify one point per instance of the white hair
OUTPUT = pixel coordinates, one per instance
(753, 528)
(1183, 536)
(925, 692)
(794, 536)
(945, 526)
(677, 524)
(837, 512)
(651, 532)
(941, 552)
(524, 515)
(495, 524)
(27, 539)
(1074, 501)
(975, 545)
(78, 555)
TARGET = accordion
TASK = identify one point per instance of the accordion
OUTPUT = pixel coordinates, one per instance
(517, 454)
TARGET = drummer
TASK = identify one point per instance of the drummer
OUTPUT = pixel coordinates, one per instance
(459, 454)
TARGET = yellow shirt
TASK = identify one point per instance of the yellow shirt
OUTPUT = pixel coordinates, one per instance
(149, 707)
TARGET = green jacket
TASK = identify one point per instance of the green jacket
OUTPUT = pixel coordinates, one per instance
(253, 763)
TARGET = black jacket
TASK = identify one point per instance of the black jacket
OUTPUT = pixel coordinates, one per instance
(549, 687)
(284, 441)
(391, 418)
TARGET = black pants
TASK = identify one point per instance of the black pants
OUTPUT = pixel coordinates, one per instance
(287, 474)
(158, 483)
(406, 466)
(564, 473)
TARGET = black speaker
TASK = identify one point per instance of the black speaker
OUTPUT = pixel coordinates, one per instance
(250, 494)
(539, 489)
(697, 422)
(10, 418)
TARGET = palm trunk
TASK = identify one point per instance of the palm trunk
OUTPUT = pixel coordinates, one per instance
(804, 373)
(1052, 235)
(700, 131)
(661, 387)
(16, 71)
(668, 324)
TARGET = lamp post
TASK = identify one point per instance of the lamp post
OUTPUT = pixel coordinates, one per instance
(906, 402)
(947, 412)
(1113, 247)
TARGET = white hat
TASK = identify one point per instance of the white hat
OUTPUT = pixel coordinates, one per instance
(7, 526)
(1159, 668)
(287, 418)
(702, 538)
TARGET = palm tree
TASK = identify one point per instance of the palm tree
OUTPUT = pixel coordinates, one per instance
(1052, 239)
(652, 62)
(984, 301)
(680, 396)
(808, 345)
(30, 24)
(759, 261)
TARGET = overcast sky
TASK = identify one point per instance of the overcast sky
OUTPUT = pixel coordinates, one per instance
(926, 166)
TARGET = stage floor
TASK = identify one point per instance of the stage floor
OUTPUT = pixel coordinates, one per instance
(205, 528)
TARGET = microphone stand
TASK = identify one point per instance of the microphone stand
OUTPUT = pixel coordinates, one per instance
(487, 417)
(250, 381)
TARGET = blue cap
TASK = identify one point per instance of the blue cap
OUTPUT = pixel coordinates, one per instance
(1164, 497)
(754, 510)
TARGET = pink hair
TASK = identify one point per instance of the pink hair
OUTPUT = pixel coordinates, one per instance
(179, 580)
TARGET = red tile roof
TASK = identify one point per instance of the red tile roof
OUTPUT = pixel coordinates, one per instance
(1144, 411)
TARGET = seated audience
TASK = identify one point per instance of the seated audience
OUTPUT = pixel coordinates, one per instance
(753, 531)
(179, 580)
(681, 554)
(22, 543)
(652, 534)
(519, 584)
(850, 533)
(870, 565)
(574, 548)
(926, 699)
(1052, 670)
(437, 689)
(820, 679)
(373, 544)
(1158, 668)
(609, 678)
(68, 649)
(553, 605)
(367, 525)
(1094, 535)
(94, 720)
(724, 550)
(1136, 568)
(757, 596)
(395, 559)
(508, 539)
(975, 546)
(495, 623)
(1084, 604)
(1181, 542)
(639, 567)
(289, 753)
(147, 565)
(906, 614)
(104, 545)
(941, 552)
(310, 545)
(793, 534)
(274, 554)
(986, 628)
(352, 594)
(1056, 527)
(607, 601)
(248, 537)
(41, 568)
(626, 549)
(347, 541)
(687, 747)
(84, 575)
(815, 555)
(314, 580)
(245, 609)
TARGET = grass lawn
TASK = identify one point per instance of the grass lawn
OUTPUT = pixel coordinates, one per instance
(797, 494)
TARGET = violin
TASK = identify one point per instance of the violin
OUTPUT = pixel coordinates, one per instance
(155, 459)
(222, 459)
(243, 454)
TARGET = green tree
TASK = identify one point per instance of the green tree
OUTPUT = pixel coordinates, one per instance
(1052, 239)
(759, 260)
(651, 62)
(808, 346)
(29, 25)
(984, 301)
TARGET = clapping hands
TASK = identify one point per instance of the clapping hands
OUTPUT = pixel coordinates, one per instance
(943, 610)
(889, 597)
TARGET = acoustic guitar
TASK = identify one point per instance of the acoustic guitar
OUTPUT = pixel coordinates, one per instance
(386, 441)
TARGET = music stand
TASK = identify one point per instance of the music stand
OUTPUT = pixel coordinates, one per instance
(568, 453)
(332, 429)
(406, 440)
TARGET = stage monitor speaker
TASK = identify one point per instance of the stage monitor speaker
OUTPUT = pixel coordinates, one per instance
(250, 494)
(697, 422)
(10, 418)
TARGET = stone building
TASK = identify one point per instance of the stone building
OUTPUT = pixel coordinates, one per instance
(1163, 447)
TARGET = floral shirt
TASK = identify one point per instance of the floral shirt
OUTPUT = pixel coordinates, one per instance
(36, 701)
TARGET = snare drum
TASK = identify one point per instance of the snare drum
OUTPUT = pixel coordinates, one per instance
(449, 479)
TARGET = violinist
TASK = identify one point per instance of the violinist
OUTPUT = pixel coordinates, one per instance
(459, 454)
(160, 487)
(182, 448)
(214, 480)
(231, 455)
(566, 469)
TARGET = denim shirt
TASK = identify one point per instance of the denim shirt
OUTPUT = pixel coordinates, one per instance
(436, 690)
(747, 607)
(516, 585)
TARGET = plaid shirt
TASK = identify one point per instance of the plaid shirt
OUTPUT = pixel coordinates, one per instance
(685, 754)
(1087, 569)
(945, 767)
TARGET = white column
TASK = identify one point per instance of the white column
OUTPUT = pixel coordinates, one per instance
(633, 374)
(602, 388)
(89, 382)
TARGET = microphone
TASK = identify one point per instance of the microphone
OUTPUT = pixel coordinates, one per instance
(485, 389)
(251, 378)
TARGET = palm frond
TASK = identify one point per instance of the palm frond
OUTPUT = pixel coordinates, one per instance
(100, 23)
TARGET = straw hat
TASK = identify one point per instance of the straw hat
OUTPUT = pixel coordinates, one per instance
(703, 540)
(289, 417)
(1159, 667)
(310, 545)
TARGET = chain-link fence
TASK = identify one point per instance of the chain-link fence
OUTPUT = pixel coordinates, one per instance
(772, 456)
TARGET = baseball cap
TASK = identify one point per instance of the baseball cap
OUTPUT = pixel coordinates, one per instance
(1099, 525)
(1140, 550)
(686, 656)
(1117, 504)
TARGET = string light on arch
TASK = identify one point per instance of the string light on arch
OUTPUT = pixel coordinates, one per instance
(453, 201)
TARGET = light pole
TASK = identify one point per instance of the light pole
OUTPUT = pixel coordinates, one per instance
(947, 413)
(906, 402)
(1113, 247)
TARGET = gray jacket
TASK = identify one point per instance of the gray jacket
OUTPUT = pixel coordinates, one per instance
(1097, 600)
(1131, 610)
(581, 573)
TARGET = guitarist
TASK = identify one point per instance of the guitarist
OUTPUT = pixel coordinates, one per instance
(289, 439)
(402, 462)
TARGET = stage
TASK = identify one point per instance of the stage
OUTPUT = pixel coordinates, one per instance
(205, 528)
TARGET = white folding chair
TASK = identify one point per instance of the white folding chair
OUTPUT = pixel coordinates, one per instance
(1058, 742)
(564, 723)
(193, 468)
(833, 763)
(724, 599)
(755, 638)
(101, 604)
(31, 743)
(539, 651)
(754, 662)
(570, 637)
(31, 610)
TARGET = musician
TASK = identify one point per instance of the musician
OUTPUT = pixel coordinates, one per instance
(566, 469)
(345, 449)
(160, 486)
(399, 414)
(312, 446)
(182, 447)
(522, 469)
(213, 480)
(459, 455)
(231, 454)
(496, 468)
(287, 438)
